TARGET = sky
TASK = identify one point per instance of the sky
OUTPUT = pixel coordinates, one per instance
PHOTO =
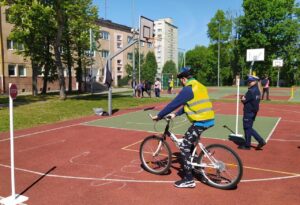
(189, 16)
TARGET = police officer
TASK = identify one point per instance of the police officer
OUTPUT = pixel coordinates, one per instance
(251, 106)
(196, 105)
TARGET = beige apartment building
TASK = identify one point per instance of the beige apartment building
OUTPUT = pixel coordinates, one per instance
(166, 42)
(16, 69)
(113, 38)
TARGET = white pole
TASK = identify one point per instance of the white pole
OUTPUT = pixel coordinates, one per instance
(13, 199)
(12, 160)
(237, 106)
(219, 57)
(278, 76)
(139, 56)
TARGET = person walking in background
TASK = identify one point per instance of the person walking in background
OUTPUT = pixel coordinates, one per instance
(170, 85)
(265, 84)
(251, 102)
(140, 88)
(157, 88)
(147, 87)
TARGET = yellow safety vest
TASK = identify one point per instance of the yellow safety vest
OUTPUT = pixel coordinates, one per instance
(200, 107)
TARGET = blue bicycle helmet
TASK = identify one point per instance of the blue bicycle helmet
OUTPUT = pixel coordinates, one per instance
(184, 72)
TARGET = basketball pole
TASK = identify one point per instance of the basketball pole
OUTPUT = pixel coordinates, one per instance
(110, 65)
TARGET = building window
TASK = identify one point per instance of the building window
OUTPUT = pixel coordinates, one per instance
(129, 56)
(119, 62)
(10, 44)
(142, 44)
(21, 70)
(129, 38)
(149, 45)
(119, 45)
(12, 70)
(13, 45)
(104, 53)
(119, 69)
(119, 38)
(159, 30)
(104, 35)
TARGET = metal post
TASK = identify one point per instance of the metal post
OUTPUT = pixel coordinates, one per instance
(139, 57)
(278, 77)
(12, 160)
(110, 92)
(219, 57)
(133, 71)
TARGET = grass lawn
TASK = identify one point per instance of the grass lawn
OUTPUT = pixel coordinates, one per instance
(31, 111)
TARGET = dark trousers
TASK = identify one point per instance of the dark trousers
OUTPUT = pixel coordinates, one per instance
(265, 90)
(190, 137)
(157, 92)
(248, 121)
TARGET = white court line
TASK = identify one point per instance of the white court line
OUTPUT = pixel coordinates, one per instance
(42, 145)
(133, 180)
(293, 121)
(284, 140)
(58, 128)
(40, 132)
(273, 129)
(283, 110)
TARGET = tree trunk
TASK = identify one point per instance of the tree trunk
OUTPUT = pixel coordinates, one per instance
(79, 71)
(57, 43)
(69, 62)
(45, 79)
(34, 78)
(47, 67)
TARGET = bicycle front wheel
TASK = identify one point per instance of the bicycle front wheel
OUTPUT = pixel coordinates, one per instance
(223, 168)
(155, 155)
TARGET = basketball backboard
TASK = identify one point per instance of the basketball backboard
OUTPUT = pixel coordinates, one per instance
(277, 63)
(146, 29)
(255, 54)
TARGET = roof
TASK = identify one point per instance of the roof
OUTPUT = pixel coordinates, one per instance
(108, 23)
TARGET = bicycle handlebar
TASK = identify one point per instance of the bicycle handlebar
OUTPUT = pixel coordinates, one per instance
(167, 117)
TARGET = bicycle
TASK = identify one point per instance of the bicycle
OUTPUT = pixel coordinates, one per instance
(219, 165)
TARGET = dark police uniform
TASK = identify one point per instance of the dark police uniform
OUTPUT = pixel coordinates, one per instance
(251, 107)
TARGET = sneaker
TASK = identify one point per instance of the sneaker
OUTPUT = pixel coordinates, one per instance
(184, 183)
(244, 147)
(260, 145)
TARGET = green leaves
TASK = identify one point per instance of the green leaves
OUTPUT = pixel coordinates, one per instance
(170, 68)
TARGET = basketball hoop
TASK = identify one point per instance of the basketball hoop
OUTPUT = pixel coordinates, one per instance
(146, 29)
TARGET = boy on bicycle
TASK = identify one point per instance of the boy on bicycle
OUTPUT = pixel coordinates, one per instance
(196, 105)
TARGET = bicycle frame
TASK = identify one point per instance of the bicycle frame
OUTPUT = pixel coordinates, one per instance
(177, 143)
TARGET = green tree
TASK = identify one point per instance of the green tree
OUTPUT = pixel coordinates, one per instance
(33, 27)
(170, 67)
(273, 25)
(80, 17)
(202, 60)
(219, 32)
(149, 67)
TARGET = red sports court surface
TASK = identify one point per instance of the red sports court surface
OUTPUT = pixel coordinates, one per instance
(72, 163)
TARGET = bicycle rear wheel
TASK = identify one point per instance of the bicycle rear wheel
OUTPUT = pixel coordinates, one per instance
(155, 155)
(229, 170)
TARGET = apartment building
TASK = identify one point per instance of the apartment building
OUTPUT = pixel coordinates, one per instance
(114, 37)
(166, 42)
(16, 69)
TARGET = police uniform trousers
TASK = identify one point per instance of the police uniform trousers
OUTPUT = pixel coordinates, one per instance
(248, 121)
